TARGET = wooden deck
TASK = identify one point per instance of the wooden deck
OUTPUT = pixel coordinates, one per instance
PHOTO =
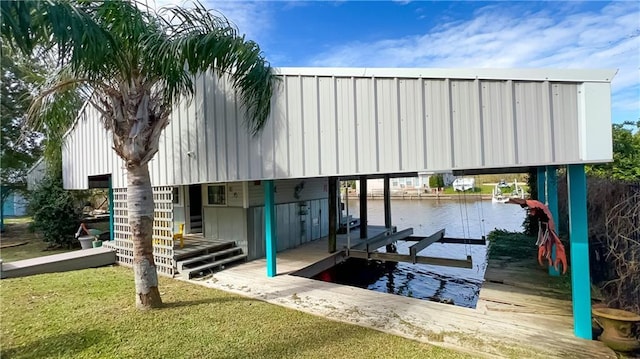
(80, 259)
(508, 322)
(194, 244)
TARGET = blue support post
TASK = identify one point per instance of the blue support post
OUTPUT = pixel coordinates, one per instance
(579, 236)
(552, 203)
(270, 227)
(111, 220)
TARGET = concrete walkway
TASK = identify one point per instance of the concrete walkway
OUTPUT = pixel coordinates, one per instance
(80, 259)
(491, 330)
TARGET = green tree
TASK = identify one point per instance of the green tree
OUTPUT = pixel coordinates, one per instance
(626, 154)
(133, 64)
(54, 210)
(436, 181)
(19, 149)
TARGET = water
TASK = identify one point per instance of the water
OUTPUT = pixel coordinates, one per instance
(464, 218)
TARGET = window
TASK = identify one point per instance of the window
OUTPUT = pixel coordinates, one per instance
(176, 196)
(216, 195)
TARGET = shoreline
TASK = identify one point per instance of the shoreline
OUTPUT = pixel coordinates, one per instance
(426, 196)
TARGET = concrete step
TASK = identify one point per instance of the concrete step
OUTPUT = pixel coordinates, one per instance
(187, 273)
(206, 257)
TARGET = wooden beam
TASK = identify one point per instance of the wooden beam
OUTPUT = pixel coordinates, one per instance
(363, 245)
(394, 257)
(383, 239)
(363, 207)
(424, 243)
(333, 213)
(387, 202)
(473, 241)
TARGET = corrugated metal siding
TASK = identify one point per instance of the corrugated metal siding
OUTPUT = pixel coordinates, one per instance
(344, 125)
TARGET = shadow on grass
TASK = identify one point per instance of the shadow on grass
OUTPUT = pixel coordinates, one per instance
(192, 303)
(67, 344)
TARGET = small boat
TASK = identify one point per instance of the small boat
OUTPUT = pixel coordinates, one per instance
(518, 192)
(497, 196)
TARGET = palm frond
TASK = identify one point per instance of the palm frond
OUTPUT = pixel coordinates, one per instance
(195, 40)
(70, 25)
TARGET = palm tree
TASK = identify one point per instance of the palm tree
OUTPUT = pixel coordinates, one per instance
(133, 63)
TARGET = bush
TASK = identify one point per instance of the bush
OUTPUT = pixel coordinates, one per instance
(436, 181)
(54, 212)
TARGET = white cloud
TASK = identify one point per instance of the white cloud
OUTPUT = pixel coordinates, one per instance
(504, 38)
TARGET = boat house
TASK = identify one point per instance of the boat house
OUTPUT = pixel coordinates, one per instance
(277, 190)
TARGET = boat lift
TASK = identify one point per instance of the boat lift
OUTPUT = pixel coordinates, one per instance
(368, 248)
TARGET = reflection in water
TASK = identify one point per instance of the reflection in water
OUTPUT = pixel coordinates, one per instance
(457, 286)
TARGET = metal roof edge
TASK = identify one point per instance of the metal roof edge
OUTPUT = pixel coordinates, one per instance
(527, 74)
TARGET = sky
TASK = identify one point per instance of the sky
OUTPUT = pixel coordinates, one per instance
(450, 34)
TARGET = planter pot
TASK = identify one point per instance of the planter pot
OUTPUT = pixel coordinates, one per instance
(96, 244)
(617, 328)
(86, 241)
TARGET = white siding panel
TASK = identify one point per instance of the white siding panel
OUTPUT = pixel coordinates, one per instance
(295, 128)
(595, 121)
(366, 126)
(497, 116)
(232, 123)
(220, 130)
(209, 125)
(388, 122)
(346, 136)
(311, 143)
(328, 126)
(201, 131)
(467, 149)
(190, 131)
(412, 152)
(365, 123)
(176, 145)
(564, 103)
(438, 124)
(533, 121)
(275, 139)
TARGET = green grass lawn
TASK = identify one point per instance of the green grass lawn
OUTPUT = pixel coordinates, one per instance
(91, 314)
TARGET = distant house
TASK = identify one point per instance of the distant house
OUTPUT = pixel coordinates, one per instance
(404, 184)
(36, 173)
(14, 205)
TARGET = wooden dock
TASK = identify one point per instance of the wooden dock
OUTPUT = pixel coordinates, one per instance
(508, 322)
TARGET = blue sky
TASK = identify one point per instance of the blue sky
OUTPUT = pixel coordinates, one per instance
(587, 34)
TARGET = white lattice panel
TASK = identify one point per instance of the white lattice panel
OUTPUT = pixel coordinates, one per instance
(162, 229)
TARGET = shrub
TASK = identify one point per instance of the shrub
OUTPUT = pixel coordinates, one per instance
(436, 181)
(54, 212)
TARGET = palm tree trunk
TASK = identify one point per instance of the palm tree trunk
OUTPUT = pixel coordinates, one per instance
(140, 207)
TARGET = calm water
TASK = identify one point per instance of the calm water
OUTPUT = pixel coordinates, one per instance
(461, 219)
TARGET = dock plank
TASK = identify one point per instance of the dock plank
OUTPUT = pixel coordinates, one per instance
(507, 322)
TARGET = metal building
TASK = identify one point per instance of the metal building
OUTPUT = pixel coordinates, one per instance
(213, 177)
